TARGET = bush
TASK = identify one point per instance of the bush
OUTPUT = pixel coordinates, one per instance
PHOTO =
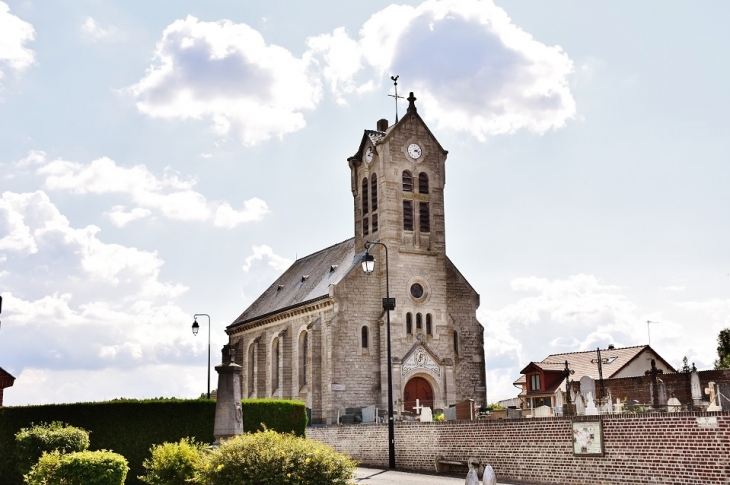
(173, 463)
(31, 443)
(270, 457)
(282, 415)
(84, 467)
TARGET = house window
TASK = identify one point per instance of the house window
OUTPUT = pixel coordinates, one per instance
(250, 368)
(456, 342)
(365, 196)
(535, 382)
(364, 338)
(365, 230)
(424, 217)
(303, 356)
(407, 215)
(374, 217)
(374, 192)
(428, 324)
(275, 365)
(409, 323)
(419, 323)
(423, 183)
(407, 181)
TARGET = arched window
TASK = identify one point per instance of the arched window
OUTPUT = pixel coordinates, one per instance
(407, 215)
(365, 196)
(409, 323)
(424, 217)
(423, 183)
(250, 368)
(429, 329)
(374, 217)
(456, 343)
(274, 365)
(407, 181)
(419, 321)
(374, 193)
(303, 357)
(364, 332)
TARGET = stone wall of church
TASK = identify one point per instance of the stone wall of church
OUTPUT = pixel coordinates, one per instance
(686, 448)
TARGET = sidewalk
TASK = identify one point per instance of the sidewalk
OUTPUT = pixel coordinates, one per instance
(376, 476)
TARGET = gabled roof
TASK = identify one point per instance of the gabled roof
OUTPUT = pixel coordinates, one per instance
(307, 280)
(6, 379)
(580, 362)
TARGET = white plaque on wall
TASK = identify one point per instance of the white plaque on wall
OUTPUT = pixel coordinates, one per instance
(338, 387)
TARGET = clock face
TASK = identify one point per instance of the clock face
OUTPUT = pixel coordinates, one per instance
(369, 154)
(414, 151)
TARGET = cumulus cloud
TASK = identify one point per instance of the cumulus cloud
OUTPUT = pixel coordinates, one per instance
(170, 196)
(226, 73)
(16, 33)
(93, 31)
(260, 253)
(471, 67)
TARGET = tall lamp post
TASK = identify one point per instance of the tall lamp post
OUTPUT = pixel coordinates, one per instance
(196, 327)
(368, 266)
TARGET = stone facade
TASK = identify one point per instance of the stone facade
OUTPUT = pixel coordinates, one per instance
(325, 315)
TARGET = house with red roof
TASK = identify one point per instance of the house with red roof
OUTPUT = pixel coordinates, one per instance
(6, 380)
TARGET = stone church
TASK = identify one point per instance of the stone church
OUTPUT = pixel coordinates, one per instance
(318, 333)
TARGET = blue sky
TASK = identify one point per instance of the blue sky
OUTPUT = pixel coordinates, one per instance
(160, 160)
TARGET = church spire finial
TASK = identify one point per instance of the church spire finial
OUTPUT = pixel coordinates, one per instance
(411, 103)
(395, 96)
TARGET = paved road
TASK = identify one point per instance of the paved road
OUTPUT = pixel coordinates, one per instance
(375, 476)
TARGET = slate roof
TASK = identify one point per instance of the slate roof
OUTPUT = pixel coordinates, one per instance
(306, 281)
(581, 363)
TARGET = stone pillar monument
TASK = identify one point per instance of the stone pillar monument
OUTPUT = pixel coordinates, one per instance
(228, 411)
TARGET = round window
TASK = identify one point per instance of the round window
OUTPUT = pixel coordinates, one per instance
(416, 290)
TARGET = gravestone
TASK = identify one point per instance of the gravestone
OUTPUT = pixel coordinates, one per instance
(488, 477)
(542, 412)
(465, 410)
(712, 392)
(580, 406)
(450, 413)
(558, 409)
(368, 414)
(619, 406)
(472, 478)
(228, 412)
(426, 415)
(608, 407)
(723, 395)
(587, 384)
(591, 406)
(673, 405)
(696, 389)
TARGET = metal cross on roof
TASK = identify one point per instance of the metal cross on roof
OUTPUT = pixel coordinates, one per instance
(395, 96)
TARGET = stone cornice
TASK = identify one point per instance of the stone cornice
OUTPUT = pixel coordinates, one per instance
(315, 305)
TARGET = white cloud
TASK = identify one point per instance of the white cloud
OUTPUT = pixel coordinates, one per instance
(170, 196)
(471, 67)
(260, 252)
(14, 34)
(226, 73)
(95, 32)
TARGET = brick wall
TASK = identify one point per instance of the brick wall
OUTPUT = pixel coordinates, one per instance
(639, 448)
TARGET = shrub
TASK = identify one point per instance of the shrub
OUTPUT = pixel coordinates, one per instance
(173, 463)
(270, 457)
(83, 467)
(31, 443)
(282, 415)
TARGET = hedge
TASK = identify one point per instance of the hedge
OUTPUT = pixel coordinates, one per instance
(132, 427)
(79, 467)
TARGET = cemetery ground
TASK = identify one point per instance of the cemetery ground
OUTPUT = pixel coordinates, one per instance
(378, 476)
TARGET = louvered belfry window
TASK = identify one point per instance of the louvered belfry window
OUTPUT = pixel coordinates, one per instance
(365, 230)
(424, 217)
(423, 183)
(407, 215)
(407, 181)
(374, 193)
(365, 196)
(375, 223)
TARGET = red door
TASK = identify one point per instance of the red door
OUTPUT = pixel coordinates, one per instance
(417, 388)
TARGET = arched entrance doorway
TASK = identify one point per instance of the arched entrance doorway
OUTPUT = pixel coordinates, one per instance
(417, 388)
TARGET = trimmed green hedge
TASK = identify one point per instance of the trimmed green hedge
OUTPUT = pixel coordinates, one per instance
(132, 427)
(282, 415)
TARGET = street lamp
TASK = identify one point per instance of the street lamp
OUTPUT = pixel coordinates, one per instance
(196, 327)
(368, 266)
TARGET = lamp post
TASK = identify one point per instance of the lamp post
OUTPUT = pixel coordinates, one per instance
(368, 266)
(196, 327)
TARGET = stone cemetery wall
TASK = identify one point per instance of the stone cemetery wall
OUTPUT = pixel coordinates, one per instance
(680, 448)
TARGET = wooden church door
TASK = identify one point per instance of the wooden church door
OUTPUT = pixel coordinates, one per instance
(417, 388)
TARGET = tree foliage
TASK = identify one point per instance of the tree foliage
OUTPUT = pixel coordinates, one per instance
(723, 349)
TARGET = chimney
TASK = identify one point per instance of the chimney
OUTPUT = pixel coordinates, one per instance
(382, 125)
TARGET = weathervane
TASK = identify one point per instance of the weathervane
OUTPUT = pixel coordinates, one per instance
(395, 96)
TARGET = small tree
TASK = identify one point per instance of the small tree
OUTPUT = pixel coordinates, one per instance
(723, 350)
